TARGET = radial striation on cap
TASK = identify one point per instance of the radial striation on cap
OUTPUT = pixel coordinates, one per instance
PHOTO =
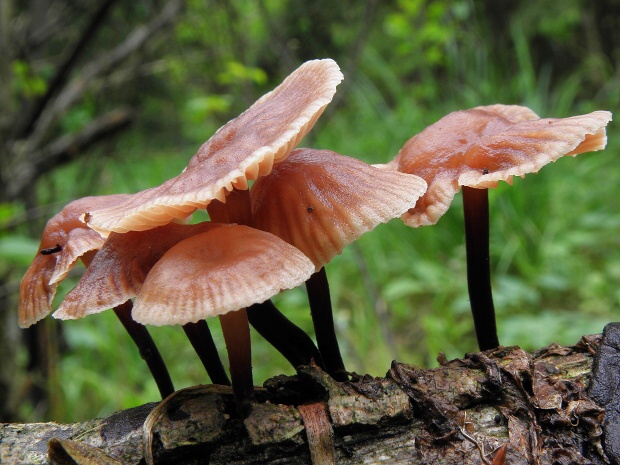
(243, 149)
(117, 272)
(320, 201)
(216, 272)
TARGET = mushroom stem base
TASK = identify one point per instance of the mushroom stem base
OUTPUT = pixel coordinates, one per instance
(236, 330)
(317, 287)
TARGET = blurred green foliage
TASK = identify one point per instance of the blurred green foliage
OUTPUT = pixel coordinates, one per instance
(398, 293)
(26, 82)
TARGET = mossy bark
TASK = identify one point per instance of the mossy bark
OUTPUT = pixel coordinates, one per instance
(459, 413)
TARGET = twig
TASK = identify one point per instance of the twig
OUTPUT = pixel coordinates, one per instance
(319, 433)
(62, 73)
(64, 149)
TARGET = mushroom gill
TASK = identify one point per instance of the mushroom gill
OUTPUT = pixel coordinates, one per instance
(119, 269)
(65, 239)
(320, 201)
(484, 145)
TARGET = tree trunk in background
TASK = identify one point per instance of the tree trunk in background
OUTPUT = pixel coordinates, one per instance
(65, 38)
(460, 413)
(8, 343)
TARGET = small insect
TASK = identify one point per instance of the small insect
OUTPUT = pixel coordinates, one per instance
(310, 209)
(485, 170)
(51, 250)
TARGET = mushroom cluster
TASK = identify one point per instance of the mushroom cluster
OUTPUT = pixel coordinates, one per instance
(255, 244)
(304, 207)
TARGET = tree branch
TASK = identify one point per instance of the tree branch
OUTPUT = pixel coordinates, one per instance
(63, 150)
(62, 73)
(24, 160)
(98, 66)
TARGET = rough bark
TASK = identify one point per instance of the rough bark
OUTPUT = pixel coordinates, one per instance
(459, 413)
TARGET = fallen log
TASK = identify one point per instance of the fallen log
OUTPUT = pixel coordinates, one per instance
(537, 405)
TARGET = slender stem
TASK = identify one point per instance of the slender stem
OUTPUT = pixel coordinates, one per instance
(288, 339)
(237, 337)
(317, 287)
(148, 349)
(202, 342)
(476, 209)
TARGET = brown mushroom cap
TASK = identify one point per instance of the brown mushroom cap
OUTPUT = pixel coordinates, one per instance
(484, 145)
(217, 272)
(320, 201)
(241, 150)
(119, 268)
(65, 239)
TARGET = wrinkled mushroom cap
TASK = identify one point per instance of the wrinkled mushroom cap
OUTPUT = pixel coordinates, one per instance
(119, 268)
(65, 239)
(217, 272)
(484, 145)
(243, 149)
(320, 201)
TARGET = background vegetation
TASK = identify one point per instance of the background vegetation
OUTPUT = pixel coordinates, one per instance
(399, 293)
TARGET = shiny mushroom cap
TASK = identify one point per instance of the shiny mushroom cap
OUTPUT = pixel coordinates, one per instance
(320, 201)
(119, 268)
(216, 272)
(65, 239)
(484, 145)
(243, 149)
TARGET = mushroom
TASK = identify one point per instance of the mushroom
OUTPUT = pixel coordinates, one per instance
(219, 273)
(243, 149)
(65, 240)
(116, 275)
(475, 149)
(319, 201)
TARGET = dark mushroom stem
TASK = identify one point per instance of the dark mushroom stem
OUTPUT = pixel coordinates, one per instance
(476, 209)
(237, 338)
(287, 338)
(200, 337)
(148, 349)
(317, 288)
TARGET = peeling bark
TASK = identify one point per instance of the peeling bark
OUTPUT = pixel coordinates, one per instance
(459, 413)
